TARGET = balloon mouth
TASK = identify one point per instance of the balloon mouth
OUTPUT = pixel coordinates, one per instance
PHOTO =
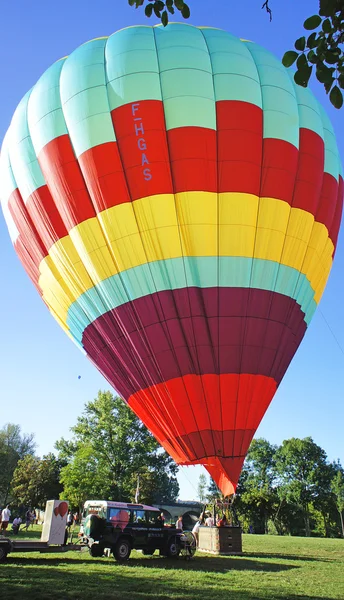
(224, 471)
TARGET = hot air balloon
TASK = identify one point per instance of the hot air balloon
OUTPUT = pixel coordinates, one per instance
(176, 200)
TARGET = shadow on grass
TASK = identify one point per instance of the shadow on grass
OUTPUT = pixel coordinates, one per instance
(209, 564)
(286, 556)
(123, 584)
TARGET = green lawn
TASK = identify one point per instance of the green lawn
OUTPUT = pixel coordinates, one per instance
(271, 568)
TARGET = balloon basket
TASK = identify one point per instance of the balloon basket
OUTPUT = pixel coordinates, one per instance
(220, 540)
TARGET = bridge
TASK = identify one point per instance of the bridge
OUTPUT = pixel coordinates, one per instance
(189, 510)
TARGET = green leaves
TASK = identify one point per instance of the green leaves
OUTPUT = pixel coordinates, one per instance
(300, 44)
(161, 8)
(323, 48)
(336, 97)
(289, 58)
(312, 22)
(149, 9)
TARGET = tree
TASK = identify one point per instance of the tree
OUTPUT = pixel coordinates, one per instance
(109, 449)
(258, 498)
(303, 475)
(322, 49)
(36, 480)
(202, 487)
(337, 486)
(13, 447)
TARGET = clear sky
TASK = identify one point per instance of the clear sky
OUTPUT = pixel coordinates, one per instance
(39, 365)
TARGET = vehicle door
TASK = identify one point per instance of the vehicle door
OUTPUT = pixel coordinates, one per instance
(119, 519)
(138, 526)
(156, 533)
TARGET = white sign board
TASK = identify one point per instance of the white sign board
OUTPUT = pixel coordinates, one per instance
(55, 520)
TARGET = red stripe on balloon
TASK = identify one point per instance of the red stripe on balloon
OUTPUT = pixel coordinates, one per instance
(193, 155)
(239, 138)
(141, 137)
(310, 172)
(193, 330)
(29, 244)
(102, 170)
(337, 215)
(237, 405)
(64, 179)
(328, 201)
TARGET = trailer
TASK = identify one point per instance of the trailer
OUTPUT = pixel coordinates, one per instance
(106, 532)
(53, 538)
(8, 546)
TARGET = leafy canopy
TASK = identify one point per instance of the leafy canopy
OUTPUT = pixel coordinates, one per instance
(109, 451)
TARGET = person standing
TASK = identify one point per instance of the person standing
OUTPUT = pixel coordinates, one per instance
(5, 518)
(70, 520)
(179, 523)
(195, 530)
(209, 521)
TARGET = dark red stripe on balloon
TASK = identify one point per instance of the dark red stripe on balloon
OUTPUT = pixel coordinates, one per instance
(195, 331)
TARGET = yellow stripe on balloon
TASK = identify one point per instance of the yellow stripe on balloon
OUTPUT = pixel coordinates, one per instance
(187, 224)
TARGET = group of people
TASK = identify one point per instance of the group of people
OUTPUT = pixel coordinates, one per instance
(5, 516)
(207, 520)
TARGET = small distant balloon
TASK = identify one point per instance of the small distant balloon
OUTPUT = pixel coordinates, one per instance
(79, 376)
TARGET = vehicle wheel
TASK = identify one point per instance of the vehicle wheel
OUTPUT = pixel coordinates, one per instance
(96, 550)
(172, 548)
(122, 550)
(3, 554)
(148, 552)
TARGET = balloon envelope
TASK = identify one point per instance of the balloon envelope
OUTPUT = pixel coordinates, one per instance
(176, 200)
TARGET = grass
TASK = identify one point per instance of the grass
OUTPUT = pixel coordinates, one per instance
(271, 568)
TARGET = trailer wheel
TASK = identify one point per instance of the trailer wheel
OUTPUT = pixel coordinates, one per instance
(122, 550)
(3, 554)
(96, 550)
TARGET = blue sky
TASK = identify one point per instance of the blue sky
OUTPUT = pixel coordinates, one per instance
(39, 365)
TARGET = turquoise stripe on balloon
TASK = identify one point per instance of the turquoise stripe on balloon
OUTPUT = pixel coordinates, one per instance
(178, 273)
(234, 71)
(84, 97)
(332, 158)
(185, 77)
(45, 117)
(8, 185)
(281, 118)
(24, 163)
(136, 48)
(309, 113)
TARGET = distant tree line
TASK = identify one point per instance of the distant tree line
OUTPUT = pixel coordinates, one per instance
(291, 489)
(288, 489)
(111, 455)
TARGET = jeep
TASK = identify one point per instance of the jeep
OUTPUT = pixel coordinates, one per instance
(118, 528)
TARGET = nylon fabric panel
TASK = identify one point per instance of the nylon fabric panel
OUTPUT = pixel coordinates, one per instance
(122, 238)
(178, 330)
(176, 199)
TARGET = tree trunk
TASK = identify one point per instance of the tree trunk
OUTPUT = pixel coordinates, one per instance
(325, 525)
(341, 522)
(306, 518)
